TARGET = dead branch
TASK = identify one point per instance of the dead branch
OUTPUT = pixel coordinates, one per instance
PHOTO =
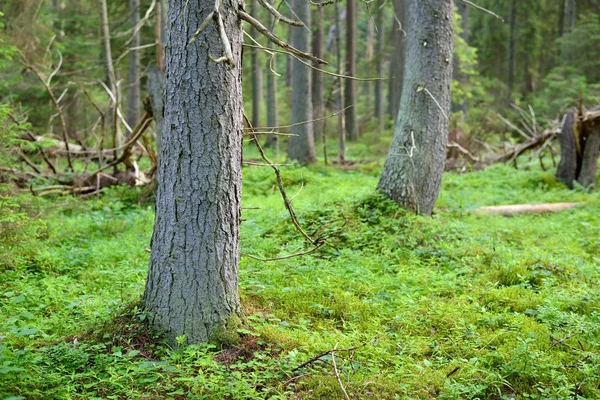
(273, 38)
(337, 374)
(525, 208)
(279, 16)
(516, 151)
(300, 254)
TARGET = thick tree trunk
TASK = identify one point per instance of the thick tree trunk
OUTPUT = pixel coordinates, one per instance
(413, 170)
(192, 282)
(589, 162)
(566, 171)
(398, 60)
(134, 91)
(350, 84)
(379, 115)
(317, 77)
(301, 147)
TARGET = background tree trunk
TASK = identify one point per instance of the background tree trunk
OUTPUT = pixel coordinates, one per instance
(379, 44)
(566, 171)
(397, 62)
(413, 169)
(272, 104)
(317, 77)
(111, 78)
(134, 90)
(512, 61)
(301, 147)
(255, 71)
(463, 11)
(350, 85)
(341, 116)
(192, 281)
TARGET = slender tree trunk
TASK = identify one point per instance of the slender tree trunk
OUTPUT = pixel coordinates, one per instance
(301, 147)
(463, 11)
(111, 78)
(317, 77)
(288, 61)
(156, 75)
(379, 45)
(561, 17)
(191, 288)
(256, 71)
(413, 169)
(341, 117)
(350, 85)
(397, 63)
(272, 104)
(134, 92)
(512, 62)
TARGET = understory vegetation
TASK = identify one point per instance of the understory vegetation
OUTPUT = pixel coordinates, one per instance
(454, 306)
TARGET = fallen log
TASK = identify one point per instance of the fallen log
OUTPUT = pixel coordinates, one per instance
(525, 208)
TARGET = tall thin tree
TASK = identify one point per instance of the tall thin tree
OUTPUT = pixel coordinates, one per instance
(134, 85)
(317, 77)
(350, 85)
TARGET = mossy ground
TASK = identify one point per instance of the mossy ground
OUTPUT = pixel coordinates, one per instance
(451, 307)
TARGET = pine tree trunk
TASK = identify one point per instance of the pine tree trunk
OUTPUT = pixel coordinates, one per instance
(350, 84)
(341, 117)
(317, 77)
(111, 77)
(255, 71)
(134, 90)
(191, 288)
(413, 169)
(463, 11)
(379, 45)
(398, 61)
(272, 104)
(301, 147)
(512, 62)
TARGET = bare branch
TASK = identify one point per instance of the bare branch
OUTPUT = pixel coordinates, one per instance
(273, 38)
(483, 9)
(279, 16)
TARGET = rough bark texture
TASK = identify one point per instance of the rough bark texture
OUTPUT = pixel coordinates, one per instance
(301, 147)
(379, 44)
(192, 282)
(134, 90)
(350, 84)
(317, 77)
(413, 169)
(397, 62)
(566, 172)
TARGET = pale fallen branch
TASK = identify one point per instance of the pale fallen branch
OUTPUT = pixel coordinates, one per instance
(525, 208)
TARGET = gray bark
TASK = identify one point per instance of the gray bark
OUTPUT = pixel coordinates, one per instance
(512, 62)
(413, 169)
(110, 71)
(317, 77)
(301, 147)
(134, 91)
(566, 171)
(463, 11)
(156, 85)
(192, 281)
(255, 71)
(589, 162)
(341, 117)
(350, 85)
(397, 62)
(379, 44)
(272, 103)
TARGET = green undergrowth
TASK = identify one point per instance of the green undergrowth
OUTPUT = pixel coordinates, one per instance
(457, 306)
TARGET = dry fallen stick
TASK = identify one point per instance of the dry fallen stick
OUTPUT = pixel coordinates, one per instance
(525, 208)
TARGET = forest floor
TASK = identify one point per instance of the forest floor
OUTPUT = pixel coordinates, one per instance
(454, 306)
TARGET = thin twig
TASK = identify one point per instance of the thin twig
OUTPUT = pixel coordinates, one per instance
(337, 374)
(279, 16)
(300, 254)
(483, 9)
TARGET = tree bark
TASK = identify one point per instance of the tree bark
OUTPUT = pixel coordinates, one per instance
(272, 103)
(379, 45)
(317, 77)
(341, 117)
(413, 169)
(566, 172)
(350, 85)
(134, 91)
(589, 162)
(463, 11)
(191, 288)
(301, 147)
(255, 71)
(512, 62)
(398, 61)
